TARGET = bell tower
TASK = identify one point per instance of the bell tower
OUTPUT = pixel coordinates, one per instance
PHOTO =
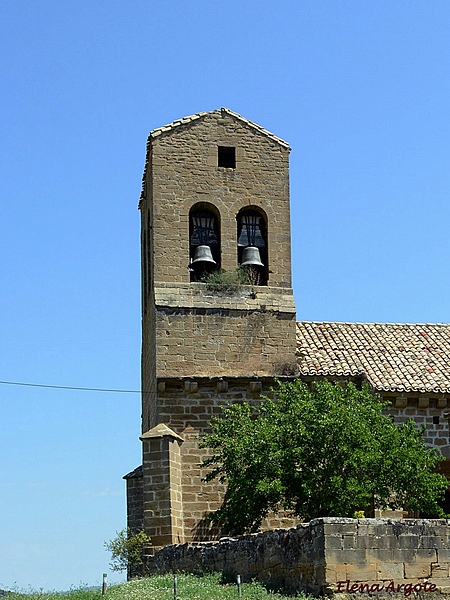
(218, 314)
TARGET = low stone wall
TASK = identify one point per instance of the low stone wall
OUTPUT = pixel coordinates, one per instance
(328, 555)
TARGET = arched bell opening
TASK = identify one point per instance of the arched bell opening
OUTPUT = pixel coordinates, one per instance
(204, 240)
(252, 244)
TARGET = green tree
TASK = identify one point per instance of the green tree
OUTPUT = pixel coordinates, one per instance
(324, 450)
(127, 550)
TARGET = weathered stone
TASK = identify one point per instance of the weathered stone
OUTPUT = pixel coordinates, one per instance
(292, 557)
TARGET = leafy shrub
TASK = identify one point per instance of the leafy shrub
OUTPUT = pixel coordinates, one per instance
(127, 549)
(318, 451)
(227, 281)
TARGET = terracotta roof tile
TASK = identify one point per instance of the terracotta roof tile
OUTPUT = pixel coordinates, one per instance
(392, 356)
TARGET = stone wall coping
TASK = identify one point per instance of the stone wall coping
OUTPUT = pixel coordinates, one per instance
(244, 297)
(198, 287)
(377, 521)
(232, 378)
(231, 306)
(312, 524)
(159, 431)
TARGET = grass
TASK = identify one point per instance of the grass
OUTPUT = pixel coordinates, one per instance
(229, 282)
(160, 587)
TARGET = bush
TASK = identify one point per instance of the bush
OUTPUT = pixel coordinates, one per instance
(127, 549)
(324, 450)
(228, 282)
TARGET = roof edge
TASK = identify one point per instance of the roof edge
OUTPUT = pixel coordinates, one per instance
(255, 126)
(159, 431)
(195, 117)
(154, 133)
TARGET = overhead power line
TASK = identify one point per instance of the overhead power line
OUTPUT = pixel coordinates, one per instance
(69, 387)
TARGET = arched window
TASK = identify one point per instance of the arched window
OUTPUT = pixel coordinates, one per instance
(204, 240)
(252, 244)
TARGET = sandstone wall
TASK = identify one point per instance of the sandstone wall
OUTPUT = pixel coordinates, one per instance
(328, 555)
(135, 500)
(201, 332)
(425, 410)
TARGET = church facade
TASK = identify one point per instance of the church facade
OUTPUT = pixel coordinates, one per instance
(219, 321)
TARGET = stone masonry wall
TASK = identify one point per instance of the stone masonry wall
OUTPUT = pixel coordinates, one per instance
(187, 406)
(376, 551)
(135, 500)
(328, 555)
(170, 485)
(148, 354)
(148, 373)
(292, 558)
(162, 494)
(200, 332)
(425, 410)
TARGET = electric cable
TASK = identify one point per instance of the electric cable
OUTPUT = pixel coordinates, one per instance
(70, 387)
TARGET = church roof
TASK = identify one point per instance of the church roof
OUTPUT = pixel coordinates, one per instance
(392, 357)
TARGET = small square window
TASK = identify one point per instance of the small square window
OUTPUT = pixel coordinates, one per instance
(435, 420)
(226, 157)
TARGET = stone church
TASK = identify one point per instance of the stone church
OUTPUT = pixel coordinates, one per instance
(215, 205)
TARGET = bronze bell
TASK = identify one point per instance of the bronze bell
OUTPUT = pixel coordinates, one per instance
(203, 254)
(251, 256)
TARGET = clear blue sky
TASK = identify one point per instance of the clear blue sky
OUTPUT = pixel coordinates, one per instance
(361, 91)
